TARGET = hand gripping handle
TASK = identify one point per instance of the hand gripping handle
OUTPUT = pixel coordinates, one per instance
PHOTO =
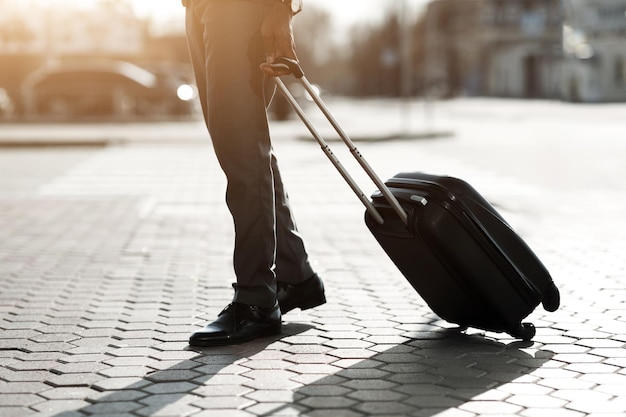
(294, 66)
(296, 70)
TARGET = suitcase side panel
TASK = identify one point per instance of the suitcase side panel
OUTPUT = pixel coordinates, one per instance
(497, 291)
(422, 269)
(512, 248)
(453, 271)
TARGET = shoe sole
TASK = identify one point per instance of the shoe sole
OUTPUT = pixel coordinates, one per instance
(306, 306)
(272, 330)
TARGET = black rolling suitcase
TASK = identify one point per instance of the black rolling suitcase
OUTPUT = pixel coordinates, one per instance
(454, 248)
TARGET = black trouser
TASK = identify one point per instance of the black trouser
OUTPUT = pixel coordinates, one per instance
(226, 49)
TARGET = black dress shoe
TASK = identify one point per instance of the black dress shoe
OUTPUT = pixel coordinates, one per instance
(305, 295)
(239, 323)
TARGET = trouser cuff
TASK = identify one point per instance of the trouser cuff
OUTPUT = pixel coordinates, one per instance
(254, 296)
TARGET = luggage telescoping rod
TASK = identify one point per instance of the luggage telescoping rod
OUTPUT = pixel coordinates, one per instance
(329, 153)
(391, 199)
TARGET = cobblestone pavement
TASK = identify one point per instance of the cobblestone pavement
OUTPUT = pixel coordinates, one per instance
(110, 256)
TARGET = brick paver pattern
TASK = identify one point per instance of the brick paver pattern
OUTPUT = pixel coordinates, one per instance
(110, 257)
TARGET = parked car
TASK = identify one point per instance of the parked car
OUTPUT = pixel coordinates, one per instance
(106, 88)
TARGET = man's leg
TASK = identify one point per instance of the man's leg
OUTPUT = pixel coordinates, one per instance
(228, 49)
(292, 264)
(298, 285)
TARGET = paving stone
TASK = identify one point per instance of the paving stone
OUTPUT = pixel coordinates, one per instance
(171, 410)
(566, 383)
(93, 357)
(67, 393)
(174, 355)
(445, 413)
(59, 407)
(162, 400)
(18, 334)
(582, 395)
(31, 365)
(125, 371)
(351, 353)
(617, 405)
(171, 375)
(617, 352)
(592, 368)
(112, 384)
(15, 400)
(313, 369)
(79, 367)
(369, 384)
(23, 387)
(116, 396)
(223, 403)
(491, 408)
(16, 412)
(224, 413)
(133, 351)
(46, 347)
(377, 408)
(168, 387)
(230, 390)
(310, 359)
(525, 389)
(261, 379)
(377, 396)
(112, 407)
(24, 376)
(131, 361)
(386, 339)
(275, 409)
(579, 358)
(223, 380)
(328, 403)
(221, 369)
(307, 349)
(555, 373)
(267, 364)
(537, 401)
(540, 412)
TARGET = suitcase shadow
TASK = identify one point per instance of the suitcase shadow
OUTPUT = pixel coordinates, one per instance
(423, 377)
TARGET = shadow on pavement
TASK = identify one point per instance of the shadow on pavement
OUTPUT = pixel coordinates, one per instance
(425, 376)
(156, 392)
(421, 377)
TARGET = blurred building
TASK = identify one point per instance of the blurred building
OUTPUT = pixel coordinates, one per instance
(504, 48)
(594, 42)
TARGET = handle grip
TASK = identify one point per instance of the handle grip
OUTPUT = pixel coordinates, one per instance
(291, 64)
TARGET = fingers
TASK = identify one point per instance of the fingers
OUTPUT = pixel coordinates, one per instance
(279, 50)
(278, 40)
(275, 70)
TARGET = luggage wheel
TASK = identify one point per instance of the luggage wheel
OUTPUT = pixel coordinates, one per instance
(525, 331)
(551, 299)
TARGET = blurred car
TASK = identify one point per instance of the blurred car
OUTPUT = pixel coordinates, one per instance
(106, 88)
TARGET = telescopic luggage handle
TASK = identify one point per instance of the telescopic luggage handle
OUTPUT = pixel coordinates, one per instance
(296, 70)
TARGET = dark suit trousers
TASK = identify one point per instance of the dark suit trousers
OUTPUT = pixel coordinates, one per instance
(226, 49)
